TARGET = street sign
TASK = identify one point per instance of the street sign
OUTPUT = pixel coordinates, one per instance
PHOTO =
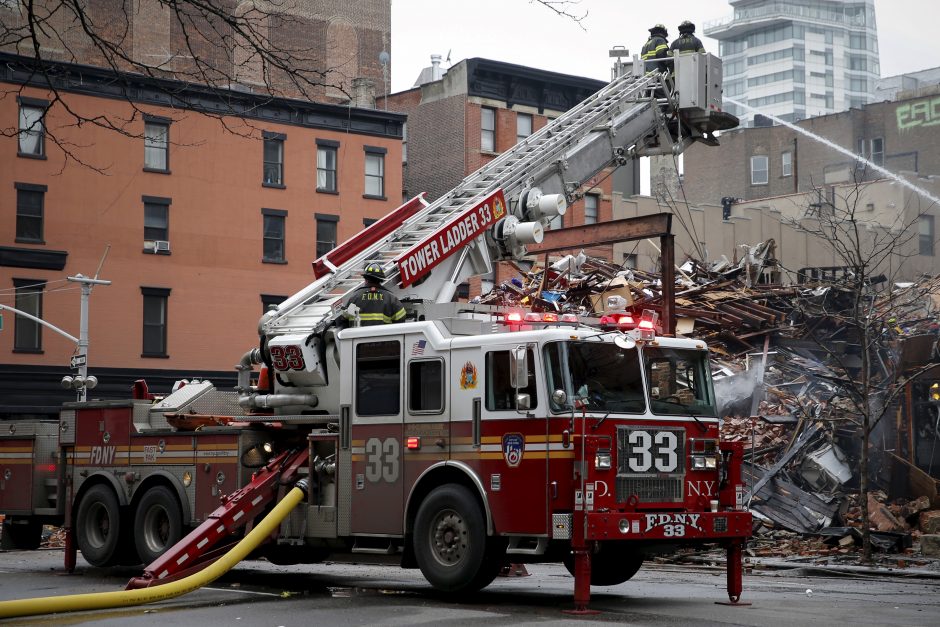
(78, 361)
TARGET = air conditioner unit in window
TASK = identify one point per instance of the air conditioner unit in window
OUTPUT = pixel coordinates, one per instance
(161, 246)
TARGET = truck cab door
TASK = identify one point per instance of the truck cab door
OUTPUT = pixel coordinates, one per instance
(427, 437)
(376, 435)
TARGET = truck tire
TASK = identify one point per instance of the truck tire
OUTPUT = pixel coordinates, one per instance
(98, 526)
(450, 542)
(613, 564)
(158, 523)
(20, 535)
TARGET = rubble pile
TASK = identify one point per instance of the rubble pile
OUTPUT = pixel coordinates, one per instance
(784, 365)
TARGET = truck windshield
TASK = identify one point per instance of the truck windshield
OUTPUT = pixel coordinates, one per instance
(678, 382)
(601, 375)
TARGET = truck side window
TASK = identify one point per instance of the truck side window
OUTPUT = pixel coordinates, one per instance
(426, 386)
(499, 394)
(378, 378)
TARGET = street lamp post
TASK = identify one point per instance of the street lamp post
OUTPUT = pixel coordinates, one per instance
(86, 283)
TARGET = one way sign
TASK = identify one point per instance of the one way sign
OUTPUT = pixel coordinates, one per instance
(78, 361)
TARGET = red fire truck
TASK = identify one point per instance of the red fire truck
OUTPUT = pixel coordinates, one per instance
(457, 441)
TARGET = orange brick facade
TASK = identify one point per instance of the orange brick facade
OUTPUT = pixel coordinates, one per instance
(214, 274)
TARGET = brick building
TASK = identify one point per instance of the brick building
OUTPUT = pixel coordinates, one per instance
(460, 120)
(902, 135)
(208, 219)
(333, 41)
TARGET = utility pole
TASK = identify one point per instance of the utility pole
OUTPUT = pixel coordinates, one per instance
(81, 359)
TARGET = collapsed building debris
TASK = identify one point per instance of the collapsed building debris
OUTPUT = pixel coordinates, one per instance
(784, 364)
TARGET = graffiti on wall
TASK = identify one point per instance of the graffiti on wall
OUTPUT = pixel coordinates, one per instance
(919, 113)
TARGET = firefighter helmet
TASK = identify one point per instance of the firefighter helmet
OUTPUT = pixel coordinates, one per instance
(687, 27)
(374, 271)
(660, 29)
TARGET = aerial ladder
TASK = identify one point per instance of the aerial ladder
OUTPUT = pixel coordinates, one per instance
(537, 179)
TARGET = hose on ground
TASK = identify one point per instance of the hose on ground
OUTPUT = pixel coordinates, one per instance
(127, 598)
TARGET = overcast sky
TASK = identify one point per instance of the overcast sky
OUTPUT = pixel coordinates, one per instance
(524, 32)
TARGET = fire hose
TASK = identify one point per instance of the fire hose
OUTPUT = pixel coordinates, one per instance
(127, 598)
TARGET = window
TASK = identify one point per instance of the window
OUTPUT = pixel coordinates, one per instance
(759, 170)
(32, 131)
(629, 261)
(326, 165)
(500, 396)
(378, 378)
(270, 300)
(155, 306)
(878, 151)
(523, 126)
(557, 222)
(404, 142)
(591, 203)
(273, 251)
(488, 129)
(156, 144)
(786, 164)
(27, 333)
(926, 235)
(156, 224)
(873, 150)
(326, 233)
(367, 222)
(29, 212)
(426, 386)
(273, 172)
(375, 172)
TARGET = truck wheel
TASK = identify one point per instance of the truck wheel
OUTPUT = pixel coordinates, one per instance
(450, 541)
(20, 535)
(98, 526)
(613, 564)
(158, 523)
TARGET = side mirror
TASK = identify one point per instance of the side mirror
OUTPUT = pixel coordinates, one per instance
(523, 402)
(519, 367)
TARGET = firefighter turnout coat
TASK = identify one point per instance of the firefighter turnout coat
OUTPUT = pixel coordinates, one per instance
(376, 306)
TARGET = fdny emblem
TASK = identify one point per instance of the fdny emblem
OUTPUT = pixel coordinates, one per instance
(468, 376)
(513, 447)
(498, 209)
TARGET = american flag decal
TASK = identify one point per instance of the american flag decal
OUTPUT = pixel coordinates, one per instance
(418, 347)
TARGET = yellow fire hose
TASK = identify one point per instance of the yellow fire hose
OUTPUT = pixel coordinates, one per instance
(126, 598)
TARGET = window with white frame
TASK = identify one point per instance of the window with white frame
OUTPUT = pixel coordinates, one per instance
(488, 129)
(926, 235)
(32, 130)
(786, 164)
(591, 204)
(523, 126)
(759, 170)
(156, 144)
(326, 165)
(375, 172)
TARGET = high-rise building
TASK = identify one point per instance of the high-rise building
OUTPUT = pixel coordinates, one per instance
(797, 58)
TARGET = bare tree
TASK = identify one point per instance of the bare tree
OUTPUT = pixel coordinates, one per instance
(859, 309)
(272, 48)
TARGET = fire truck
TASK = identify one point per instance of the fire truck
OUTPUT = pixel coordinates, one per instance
(462, 439)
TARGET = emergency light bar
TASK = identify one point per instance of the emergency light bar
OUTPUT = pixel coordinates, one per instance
(548, 317)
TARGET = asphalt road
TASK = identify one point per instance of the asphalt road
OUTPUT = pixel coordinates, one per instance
(258, 593)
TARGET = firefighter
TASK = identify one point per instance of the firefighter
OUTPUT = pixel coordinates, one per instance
(656, 47)
(376, 305)
(686, 42)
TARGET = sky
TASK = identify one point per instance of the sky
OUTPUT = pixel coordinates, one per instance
(527, 33)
